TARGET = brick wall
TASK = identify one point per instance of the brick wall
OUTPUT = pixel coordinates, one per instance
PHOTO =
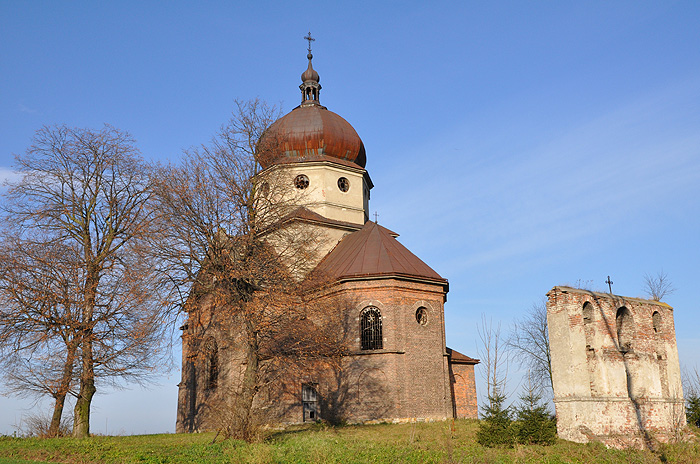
(408, 379)
(464, 391)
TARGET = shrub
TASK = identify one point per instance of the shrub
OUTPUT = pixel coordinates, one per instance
(38, 425)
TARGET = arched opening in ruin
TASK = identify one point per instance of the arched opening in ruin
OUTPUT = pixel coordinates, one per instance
(656, 322)
(625, 329)
(587, 312)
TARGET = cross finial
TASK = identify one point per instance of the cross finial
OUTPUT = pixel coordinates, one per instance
(310, 39)
(609, 282)
(376, 217)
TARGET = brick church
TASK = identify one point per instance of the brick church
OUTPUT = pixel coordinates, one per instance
(397, 366)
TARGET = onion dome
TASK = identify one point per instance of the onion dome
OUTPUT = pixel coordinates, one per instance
(310, 74)
(310, 132)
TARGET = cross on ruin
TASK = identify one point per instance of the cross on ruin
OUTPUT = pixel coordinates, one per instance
(310, 39)
(609, 282)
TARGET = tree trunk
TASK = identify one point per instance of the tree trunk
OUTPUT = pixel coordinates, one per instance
(63, 388)
(243, 412)
(81, 419)
(57, 414)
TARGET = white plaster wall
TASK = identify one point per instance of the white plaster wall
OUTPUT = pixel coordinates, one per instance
(605, 392)
(323, 195)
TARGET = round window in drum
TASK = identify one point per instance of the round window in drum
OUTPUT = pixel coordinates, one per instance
(343, 184)
(301, 181)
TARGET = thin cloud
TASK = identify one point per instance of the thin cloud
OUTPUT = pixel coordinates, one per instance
(25, 109)
(622, 166)
(8, 175)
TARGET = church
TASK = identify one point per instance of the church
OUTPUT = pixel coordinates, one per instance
(397, 366)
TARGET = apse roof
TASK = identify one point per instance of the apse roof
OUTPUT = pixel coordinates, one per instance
(374, 252)
(458, 358)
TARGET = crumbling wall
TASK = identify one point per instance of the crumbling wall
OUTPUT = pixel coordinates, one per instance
(615, 368)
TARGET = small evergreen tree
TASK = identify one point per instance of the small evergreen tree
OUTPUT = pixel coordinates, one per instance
(496, 426)
(692, 409)
(691, 387)
(534, 425)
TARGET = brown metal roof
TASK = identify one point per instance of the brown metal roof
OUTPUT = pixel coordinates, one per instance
(458, 358)
(311, 131)
(306, 215)
(374, 252)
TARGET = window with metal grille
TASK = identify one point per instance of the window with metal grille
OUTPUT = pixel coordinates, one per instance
(211, 364)
(371, 329)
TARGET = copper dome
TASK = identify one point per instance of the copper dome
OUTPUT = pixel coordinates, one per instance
(310, 131)
(307, 133)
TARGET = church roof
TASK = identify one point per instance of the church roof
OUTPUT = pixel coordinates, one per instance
(374, 252)
(458, 358)
(304, 214)
(310, 132)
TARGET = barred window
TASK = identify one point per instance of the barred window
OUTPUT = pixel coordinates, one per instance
(371, 328)
(211, 364)
(422, 316)
(309, 401)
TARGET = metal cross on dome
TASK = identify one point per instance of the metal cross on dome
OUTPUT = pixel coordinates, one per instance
(310, 39)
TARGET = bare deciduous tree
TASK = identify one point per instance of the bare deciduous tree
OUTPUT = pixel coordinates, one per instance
(232, 255)
(494, 357)
(39, 338)
(495, 427)
(83, 196)
(529, 344)
(658, 286)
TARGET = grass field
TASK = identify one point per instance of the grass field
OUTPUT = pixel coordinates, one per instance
(384, 443)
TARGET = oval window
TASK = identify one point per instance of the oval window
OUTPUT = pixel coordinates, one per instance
(422, 316)
(343, 184)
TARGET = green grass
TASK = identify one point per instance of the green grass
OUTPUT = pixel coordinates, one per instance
(384, 443)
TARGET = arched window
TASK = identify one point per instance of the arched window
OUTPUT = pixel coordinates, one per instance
(656, 321)
(422, 316)
(625, 329)
(371, 328)
(211, 364)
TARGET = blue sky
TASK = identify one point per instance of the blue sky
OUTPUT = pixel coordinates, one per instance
(514, 145)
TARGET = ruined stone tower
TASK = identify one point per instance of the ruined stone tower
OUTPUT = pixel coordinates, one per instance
(615, 369)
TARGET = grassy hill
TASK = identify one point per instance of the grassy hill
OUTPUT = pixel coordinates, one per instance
(384, 443)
